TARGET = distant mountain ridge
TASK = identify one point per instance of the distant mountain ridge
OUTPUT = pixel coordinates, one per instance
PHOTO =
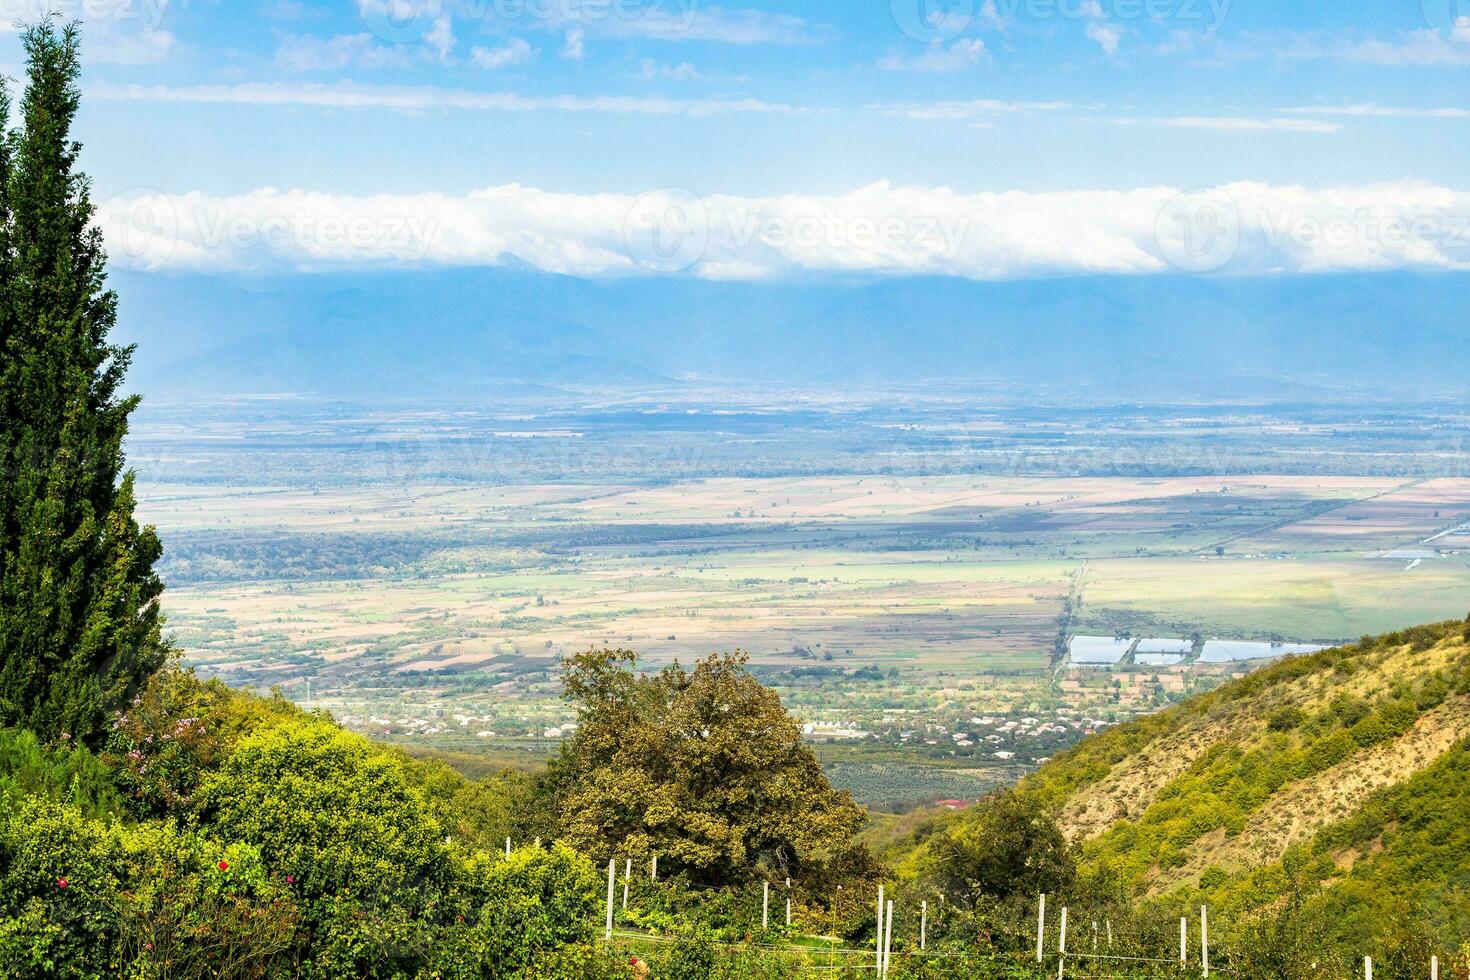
(462, 332)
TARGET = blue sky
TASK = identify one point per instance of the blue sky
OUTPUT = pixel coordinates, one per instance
(356, 98)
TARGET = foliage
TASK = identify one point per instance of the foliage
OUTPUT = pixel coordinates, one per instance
(178, 729)
(79, 618)
(1005, 845)
(85, 898)
(329, 809)
(703, 768)
(63, 773)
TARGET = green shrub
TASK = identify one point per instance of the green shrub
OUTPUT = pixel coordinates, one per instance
(327, 808)
(65, 773)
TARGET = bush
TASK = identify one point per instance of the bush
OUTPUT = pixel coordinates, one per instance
(176, 731)
(328, 809)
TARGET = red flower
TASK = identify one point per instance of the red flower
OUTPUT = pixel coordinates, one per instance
(62, 882)
(224, 865)
(290, 879)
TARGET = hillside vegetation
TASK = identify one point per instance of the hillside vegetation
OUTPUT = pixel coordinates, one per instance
(1342, 773)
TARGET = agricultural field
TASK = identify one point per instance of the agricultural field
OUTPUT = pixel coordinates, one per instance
(900, 575)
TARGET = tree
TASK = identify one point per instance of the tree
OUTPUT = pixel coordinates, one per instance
(79, 618)
(703, 768)
(1006, 845)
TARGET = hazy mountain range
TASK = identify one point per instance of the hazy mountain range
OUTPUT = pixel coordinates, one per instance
(462, 332)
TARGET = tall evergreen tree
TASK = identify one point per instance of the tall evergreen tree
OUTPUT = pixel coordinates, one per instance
(79, 618)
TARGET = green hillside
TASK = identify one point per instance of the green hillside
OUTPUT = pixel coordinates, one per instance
(1336, 785)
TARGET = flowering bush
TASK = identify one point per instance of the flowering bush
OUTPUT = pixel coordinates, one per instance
(177, 730)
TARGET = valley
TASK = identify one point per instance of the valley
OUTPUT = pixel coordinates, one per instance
(893, 611)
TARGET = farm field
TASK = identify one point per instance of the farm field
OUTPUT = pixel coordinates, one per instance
(886, 608)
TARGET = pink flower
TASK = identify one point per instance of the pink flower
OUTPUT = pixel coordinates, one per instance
(62, 883)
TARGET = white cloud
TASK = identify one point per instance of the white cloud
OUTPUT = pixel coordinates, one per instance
(880, 229)
(682, 72)
(515, 52)
(427, 23)
(1098, 30)
(962, 54)
(440, 38)
(992, 18)
(574, 48)
(304, 53)
(1421, 47)
(1236, 123)
(1371, 109)
(675, 20)
(1106, 35)
(353, 95)
(968, 109)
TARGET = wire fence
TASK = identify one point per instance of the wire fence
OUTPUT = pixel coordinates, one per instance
(1051, 953)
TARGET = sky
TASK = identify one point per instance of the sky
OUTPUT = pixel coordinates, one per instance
(741, 139)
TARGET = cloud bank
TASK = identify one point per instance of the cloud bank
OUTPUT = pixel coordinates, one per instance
(884, 229)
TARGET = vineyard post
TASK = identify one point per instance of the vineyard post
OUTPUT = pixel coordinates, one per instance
(1040, 926)
(507, 847)
(653, 868)
(1368, 968)
(878, 942)
(788, 903)
(923, 924)
(612, 874)
(1434, 968)
(627, 874)
(1183, 934)
(1062, 945)
(1204, 941)
(888, 940)
(765, 905)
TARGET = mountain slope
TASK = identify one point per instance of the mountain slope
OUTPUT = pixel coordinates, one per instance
(1344, 773)
(456, 332)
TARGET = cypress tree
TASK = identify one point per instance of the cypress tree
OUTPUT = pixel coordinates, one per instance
(80, 627)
